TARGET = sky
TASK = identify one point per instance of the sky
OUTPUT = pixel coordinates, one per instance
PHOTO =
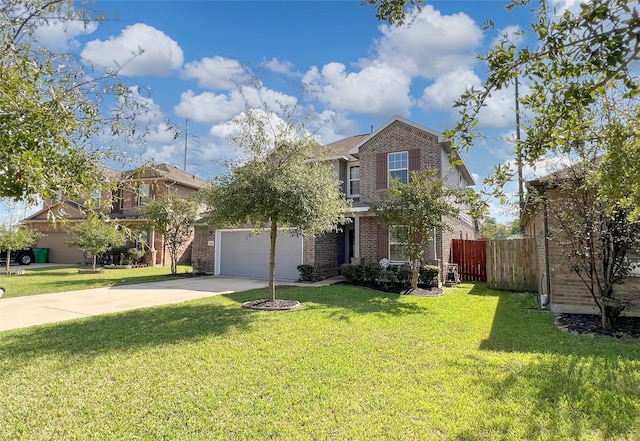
(333, 57)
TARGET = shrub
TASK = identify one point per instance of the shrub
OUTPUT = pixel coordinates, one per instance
(429, 275)
(352, 273)
(370, 272)
(307, 272)
(133, 256)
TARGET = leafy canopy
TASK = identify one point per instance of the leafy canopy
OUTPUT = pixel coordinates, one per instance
(54, 108)
(95, 235)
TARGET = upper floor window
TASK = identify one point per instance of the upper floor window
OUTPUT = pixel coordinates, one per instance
(398, 252)
(398, 167)
(354, 180)
(121, 198)
(96, 195)
(144, 191)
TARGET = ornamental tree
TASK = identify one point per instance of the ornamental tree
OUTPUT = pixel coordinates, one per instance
(421, 206)
(95, 235)
(173, 216)
(14, 238)
(275, 184)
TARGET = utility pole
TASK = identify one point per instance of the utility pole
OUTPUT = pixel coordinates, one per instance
(519, 161)
(186, 143)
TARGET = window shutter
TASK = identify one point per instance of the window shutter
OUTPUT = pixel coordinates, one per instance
(414, 160)
(382, 242)
(381, 171)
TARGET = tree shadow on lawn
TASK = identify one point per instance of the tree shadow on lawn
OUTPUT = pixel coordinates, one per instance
(574, 387)
(341, 301)
(189, 321)
(123, 331)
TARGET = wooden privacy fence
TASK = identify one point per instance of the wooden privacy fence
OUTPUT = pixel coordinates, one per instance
(512, 264)
(508, 264)
(471, 257)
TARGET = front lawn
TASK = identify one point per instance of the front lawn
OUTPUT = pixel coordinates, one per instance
(59, 279)
(354, 364)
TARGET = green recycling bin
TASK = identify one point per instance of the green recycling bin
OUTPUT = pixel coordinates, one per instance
(41, 255)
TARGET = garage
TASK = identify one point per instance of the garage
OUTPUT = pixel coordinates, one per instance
(238, 253)
(59, 252)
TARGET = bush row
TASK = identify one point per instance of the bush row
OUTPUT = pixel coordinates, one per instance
(392, 279)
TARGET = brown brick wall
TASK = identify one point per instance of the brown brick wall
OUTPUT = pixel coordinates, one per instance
(201, 253)
(568, 291)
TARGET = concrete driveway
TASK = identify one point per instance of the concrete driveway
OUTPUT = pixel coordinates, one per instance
(22, 312)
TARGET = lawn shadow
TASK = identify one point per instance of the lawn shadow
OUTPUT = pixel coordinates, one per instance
(341, 301)
(123, 331)
(574, 387)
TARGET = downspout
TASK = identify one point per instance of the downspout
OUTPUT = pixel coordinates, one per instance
(547, 268)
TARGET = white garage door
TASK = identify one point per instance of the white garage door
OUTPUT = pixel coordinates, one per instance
(248, 256)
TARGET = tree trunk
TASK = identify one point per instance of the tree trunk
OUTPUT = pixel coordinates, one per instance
(272, 260)
(604, 313)
(415, 274)
(93, 262)
(8, 263)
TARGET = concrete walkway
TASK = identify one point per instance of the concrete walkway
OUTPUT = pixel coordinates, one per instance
(22, 312)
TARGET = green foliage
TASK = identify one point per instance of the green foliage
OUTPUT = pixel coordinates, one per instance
(172, 216)
(307, 272)
(429, 275)
(423, 205)
(275, 185)
(52, 107)
(392, 279)
(95, 235)
(16, 237)
(491, 229)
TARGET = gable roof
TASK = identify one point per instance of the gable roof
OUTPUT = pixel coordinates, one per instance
(168, 172)
(340, 149)
(445, 145)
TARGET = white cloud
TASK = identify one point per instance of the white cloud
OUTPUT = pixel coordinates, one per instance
(433, 44)
(209, 107)
(512, 34)
(60, 36)
(216, 73)
(442, 94)
(378, 89)
(283, 67)
(161, 55)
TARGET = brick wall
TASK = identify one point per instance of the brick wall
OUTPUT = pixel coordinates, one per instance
(568, 292)
(203, 255)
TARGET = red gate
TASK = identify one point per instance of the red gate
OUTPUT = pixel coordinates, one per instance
(471, 257)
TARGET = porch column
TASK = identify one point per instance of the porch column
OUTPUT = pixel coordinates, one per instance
(356, 234)
(152, 242)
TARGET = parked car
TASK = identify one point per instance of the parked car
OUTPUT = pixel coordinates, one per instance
(22, 257)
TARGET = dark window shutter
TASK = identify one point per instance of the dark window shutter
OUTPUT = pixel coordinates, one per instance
(383, 242)
(381, 171)
(414, 160)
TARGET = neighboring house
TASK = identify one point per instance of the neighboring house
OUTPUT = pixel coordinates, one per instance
(566, 292)
(364, 164)
(123, 195)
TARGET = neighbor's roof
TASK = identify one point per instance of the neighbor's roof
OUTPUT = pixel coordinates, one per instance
(168, 172)
(340, 149)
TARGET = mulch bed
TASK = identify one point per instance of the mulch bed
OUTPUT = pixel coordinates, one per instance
(272, 305)
(424, 292)
(590, 324)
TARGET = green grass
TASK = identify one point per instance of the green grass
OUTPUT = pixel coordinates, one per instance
(59, 279)
(354, 364)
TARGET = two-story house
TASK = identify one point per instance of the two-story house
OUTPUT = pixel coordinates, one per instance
(366, 165)
(122, 197)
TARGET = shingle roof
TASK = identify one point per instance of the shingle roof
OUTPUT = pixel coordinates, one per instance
(170, 173)
(340, 148)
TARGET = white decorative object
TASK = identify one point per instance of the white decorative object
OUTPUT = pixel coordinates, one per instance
(384, 263)
(211, 243)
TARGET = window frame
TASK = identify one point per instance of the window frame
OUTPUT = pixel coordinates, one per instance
(390, 234)
(350, 180)
(121, 201)
(391, 180)
(143, 197)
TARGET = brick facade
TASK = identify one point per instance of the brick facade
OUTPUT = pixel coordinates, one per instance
(568, 293)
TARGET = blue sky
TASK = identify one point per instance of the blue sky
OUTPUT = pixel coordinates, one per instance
(362, 72)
